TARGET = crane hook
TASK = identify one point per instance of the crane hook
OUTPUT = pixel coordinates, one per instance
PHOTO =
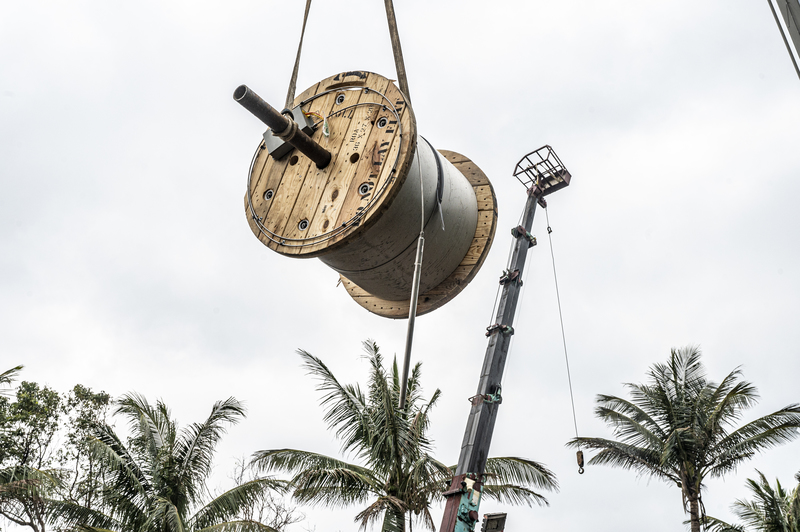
(580, 462)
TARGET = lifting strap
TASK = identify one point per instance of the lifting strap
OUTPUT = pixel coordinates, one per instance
(293, 81)
(399, 65)
(401, 77)
(397, 52)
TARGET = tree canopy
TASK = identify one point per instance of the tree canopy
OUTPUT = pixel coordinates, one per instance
(681, 427)
(394, 474)
(156, 481)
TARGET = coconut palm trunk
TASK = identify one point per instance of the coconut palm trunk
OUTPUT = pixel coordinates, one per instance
(394, 521)
(694, 513)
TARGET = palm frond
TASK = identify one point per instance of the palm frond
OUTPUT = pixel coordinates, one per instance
(391, 509)
(414, 390)
(8, 377)
(730, 398)
(294, 461)
(769, 510)
(345, 405)
(512, 494)
(426, 519)
(717, 525)
(228, 505)
(630, 422)
(388, 425)
(320, 479)
(427, 475)
(151, 427)
(164, 517)
(78, 516)
(421, 421)
(239, 526)
(196, 445)
(128, 485)
(763, 433)
(625, 456)
(24, 481)
(334, 487)
(399, 476)
(508, 470)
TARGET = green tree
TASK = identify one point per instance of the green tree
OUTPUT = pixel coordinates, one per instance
(399, 478)
(272, 510)
(43, 451)
(771, 509)
(678, 427)
(28, 469)
(156, 481)
(82, 477)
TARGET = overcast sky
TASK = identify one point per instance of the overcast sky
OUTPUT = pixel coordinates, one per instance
(126, 262)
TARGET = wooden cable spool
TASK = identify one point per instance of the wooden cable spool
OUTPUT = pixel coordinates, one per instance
(362, 212)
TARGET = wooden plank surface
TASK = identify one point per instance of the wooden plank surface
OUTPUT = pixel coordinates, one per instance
(344, 183)
(319, 180)
(361, 153)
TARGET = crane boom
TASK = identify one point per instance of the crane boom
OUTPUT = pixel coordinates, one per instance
(542, 173)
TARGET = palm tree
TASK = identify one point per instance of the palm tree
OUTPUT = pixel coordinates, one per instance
(156, 481)
(24, 493)
(7, 377)
(794, 509)
(678, 427)
(772, 509)
(24, 490)
(399, 478)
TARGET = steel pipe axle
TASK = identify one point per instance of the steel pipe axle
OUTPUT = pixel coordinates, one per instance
(282, 127)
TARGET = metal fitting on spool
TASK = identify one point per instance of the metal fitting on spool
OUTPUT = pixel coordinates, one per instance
(282, 127)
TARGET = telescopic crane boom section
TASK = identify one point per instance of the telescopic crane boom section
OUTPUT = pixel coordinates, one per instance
(542, 173)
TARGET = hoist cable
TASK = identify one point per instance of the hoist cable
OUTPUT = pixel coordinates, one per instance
(561, 319)
(293, 81)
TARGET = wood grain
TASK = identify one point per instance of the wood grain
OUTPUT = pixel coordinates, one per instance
(362, 152)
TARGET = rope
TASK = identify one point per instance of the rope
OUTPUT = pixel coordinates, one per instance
(293, 81)
(397, 50)
(563, 335)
